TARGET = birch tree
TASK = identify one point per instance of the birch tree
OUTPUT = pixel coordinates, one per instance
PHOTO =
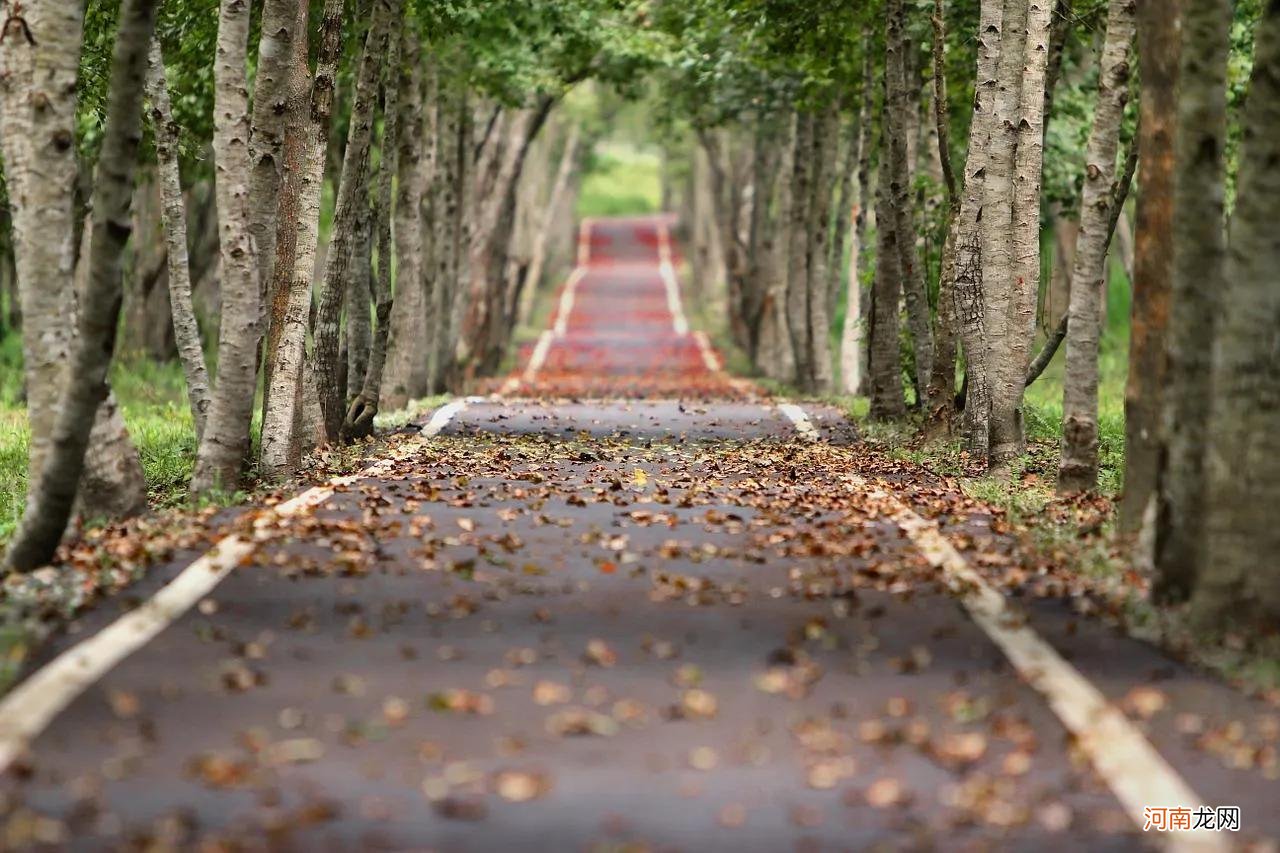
(296, 252)
(1238, 584)
(885, 367)
(825, 148)
(1008, 439)
(364, 405)
(1078, 468)
(851, 332)
(569, 154)
(969, 294)
(352, 196)
(185, 327)
(899, 114)
(406, 369)
(1158, 55)
(940, 395)
(225, 443)
(39, 61)
(1199, 248)
(798, 320)
(272, 113)
(51, 496)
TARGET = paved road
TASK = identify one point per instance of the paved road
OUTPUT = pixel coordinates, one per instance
(620, 624)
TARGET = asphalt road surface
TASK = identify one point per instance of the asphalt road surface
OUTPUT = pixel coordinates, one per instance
(628, 605)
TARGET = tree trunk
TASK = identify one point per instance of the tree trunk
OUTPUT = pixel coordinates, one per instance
(898, 111)
(774, 353)
(406, 371)
(1198, 254)
(288, 423)
(453, 151)
(284, 214)
(145, 326)
(225, 442)
(798, 319)
(885, 363)
(487, 327)
(364, 407)
(542, 236)
(1008, 440)
(1238, 587)
(970, 302)
(842, 235)
(351, 203)
(709, 253)
(52, 496)
(1078, 468)
(1059, 29)
(940, 396)
(851, 332)
(1000, 286)
(826, 147)
(1158, 52)
(40, 171)
(766, 155)
(272, 113)
(359, 328)
(997, 232)
(457, 283)
(186, 329)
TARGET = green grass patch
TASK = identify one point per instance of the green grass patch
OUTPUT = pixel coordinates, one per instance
(621, 180)
(153, 401)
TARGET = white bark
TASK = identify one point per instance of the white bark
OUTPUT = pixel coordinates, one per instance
(407, 353)
(542, 236)
(292, 384)
(185, 328)
(225, 443)
(1078, 470)
(1008, 440)
(52, 495)
(996, 229)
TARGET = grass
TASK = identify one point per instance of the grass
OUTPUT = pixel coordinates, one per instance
(153, 400)
(621, 180)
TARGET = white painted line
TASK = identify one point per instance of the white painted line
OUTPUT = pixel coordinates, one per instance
(679, 323)
(566, 301)
(539, 356)
(31, 706)
(1134, 770)
(801, 420)
(446, 413)
(708, 354)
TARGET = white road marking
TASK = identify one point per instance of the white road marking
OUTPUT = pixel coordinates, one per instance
(566, 301)
(802, 423)
(709, 357)
(679, 323)
(563, 309)
(32, 705)
(440, 419)
(1134, 770)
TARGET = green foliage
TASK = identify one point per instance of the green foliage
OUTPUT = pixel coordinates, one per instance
(620, 180)
(512, 49)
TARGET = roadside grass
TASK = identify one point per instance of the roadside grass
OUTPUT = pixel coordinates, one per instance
(153, 400)
(621, 180)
